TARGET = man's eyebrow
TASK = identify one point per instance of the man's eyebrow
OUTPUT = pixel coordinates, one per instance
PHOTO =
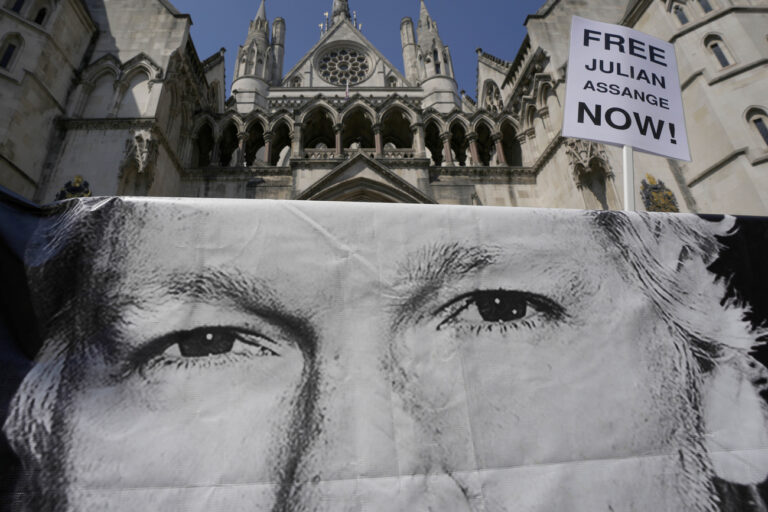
(251, 294)
(428, 269)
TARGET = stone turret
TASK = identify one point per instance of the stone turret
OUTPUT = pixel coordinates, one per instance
(437, 60)
(278, 49)
(255, 64)
(410, 51)
(435, 66)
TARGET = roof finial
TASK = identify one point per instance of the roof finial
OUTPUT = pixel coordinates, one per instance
(340, 11)
(262, 10)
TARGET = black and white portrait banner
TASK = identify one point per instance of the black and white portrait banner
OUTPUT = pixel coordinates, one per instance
(219, 355)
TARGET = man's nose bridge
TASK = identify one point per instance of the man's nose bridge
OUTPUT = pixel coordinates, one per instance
(355, 434)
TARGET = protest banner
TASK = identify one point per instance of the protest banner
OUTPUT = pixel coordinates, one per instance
(623, 88)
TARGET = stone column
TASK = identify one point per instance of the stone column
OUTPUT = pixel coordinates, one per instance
(447, 158)
(521, 138)
(242, 137)
(377, 140)
(216, 152)
(297, 141)
(419, 146)
(472, 138)
(500, 156)
(337, 130)
(268, 147)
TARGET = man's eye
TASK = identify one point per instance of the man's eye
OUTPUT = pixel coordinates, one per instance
(494, 307)
(207, 342)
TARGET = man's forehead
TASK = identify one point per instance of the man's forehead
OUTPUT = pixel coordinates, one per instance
(230, 229)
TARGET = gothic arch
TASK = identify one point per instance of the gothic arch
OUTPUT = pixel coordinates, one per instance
(457, 117)
(396, 127)
(282, 133)
(141, 62)
(318, 128)
(282, 117)
(396, 104)
(492, 100)
(254, 119)
(135, 93)
(204, 143)
(357, 127)
(365, 190)
(98, 95)
(459, 142)
(232, 117)
(314, 105)
(486, 148)
(433, 117)
(482, 118)
(358, 104)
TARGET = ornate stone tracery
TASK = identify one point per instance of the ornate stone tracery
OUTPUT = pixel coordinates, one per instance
(342, 65)
(583, 154)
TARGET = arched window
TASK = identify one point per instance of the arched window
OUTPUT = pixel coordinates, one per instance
(17, 6)
(392, 81)
(705, 5)
(9, 51)
(719, 50)
(759, 120)
(296, 81)
(437, 62)
(682, 17)
(41, 15)
(492, 98)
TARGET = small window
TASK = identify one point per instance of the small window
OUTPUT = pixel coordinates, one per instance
(720, 54)
(7, 55)
(719, 50)
(762, 128)
(437, 62)
(705, 6)
(392, 81)
(681, 16)
(41, 15)
(17, 6)
(296, 82)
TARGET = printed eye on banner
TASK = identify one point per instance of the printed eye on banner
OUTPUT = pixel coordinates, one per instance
(623, 88)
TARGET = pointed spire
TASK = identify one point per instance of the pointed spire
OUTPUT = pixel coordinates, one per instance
(262, 11)
(340, 11)
(423, 13)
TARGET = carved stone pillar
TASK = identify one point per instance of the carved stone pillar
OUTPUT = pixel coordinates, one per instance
(472, 138)
(502, 159)
(419, 146)
(242, 137)
(268, 147)
(297, 141)
(216, 153)
(522, 139)
(377, 141)
(337, 130)
(447, 157)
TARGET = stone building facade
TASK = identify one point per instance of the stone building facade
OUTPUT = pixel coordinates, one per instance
(135, 111)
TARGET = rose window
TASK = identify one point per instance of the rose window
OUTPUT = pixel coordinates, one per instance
(344, 65)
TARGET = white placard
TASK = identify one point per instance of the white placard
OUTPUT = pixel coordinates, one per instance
(623, 88)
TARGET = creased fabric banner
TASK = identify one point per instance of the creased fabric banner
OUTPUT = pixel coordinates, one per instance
(222, 355)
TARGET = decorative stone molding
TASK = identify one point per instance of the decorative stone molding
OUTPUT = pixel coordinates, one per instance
(582, 154)
(141, 149)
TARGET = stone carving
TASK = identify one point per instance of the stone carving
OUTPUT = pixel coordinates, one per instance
(143, 148)
(77, 187)
(657, 197)
(583, 154)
